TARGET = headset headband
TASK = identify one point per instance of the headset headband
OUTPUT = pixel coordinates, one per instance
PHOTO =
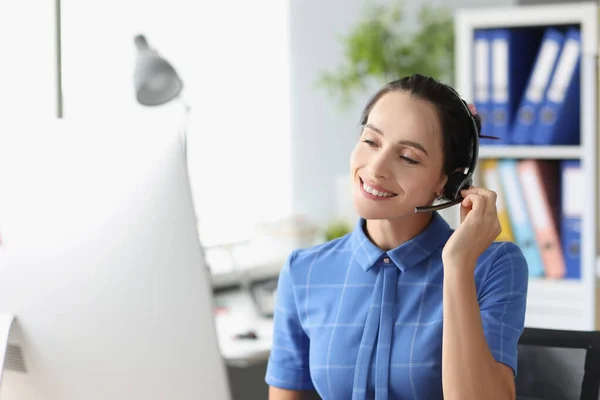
(467, 173)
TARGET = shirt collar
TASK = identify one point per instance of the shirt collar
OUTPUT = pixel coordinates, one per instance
(408, 254)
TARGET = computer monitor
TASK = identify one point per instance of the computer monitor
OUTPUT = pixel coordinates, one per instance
(101, 264)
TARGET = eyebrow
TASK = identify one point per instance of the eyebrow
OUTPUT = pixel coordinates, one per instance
(410, 143)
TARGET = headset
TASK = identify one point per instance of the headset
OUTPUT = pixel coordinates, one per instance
(459, 180)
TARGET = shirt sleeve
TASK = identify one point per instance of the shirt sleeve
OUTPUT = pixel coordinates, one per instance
(502, 304)
(288, 365)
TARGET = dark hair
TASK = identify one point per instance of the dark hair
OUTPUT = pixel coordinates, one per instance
(455, 121)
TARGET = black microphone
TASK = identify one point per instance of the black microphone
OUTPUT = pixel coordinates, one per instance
(437, 207)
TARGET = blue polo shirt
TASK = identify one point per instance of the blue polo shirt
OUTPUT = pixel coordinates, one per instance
(355, 322)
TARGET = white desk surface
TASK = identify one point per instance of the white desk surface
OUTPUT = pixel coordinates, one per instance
(241, 317)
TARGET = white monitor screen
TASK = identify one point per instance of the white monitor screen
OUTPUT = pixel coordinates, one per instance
(101, 265)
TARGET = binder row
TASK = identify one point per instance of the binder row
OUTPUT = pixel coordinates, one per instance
(527, 85)
(540, 208)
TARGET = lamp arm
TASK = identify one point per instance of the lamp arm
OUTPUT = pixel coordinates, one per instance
(186, 120)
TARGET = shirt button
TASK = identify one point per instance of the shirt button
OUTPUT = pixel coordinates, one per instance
(386, 260)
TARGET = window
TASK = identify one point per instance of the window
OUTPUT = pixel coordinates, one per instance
(233, 58)
(240, 135)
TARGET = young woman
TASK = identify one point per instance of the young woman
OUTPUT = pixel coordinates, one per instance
(404, 307)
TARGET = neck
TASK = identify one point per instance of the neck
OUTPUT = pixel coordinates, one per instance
(388, 234)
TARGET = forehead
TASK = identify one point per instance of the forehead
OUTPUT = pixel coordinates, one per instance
(402, 116)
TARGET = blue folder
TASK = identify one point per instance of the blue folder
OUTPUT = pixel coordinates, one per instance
(513, 54)
(570, 218)
(482, 80)
(559, 121)
(528, 113)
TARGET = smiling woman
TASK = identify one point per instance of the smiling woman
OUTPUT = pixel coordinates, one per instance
(403, 306)
(392, 156)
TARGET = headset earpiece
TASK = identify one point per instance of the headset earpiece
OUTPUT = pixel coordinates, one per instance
(456, 182)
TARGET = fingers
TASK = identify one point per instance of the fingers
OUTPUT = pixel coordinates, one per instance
(475, 202)
(480, 191)
(479, 199)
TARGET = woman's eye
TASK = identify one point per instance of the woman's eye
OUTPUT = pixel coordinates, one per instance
(369, 142)
(409, 160)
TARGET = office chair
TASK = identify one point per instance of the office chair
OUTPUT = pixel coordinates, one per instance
(558, 364)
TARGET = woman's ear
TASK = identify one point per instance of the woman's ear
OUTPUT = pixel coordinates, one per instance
(439, 189)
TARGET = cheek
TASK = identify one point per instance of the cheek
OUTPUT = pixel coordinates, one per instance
(418, 183)
(356, 158)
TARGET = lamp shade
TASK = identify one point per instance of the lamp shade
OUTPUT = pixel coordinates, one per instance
(156, 81)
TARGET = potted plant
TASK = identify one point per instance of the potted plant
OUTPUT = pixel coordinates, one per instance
(337, 229)
(381, 48)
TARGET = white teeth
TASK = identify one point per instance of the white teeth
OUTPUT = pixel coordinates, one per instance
(375, 192)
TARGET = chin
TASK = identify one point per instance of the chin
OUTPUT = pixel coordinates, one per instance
(367, 209)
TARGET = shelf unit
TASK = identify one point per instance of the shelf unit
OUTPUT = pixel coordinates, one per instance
(558, 304)
(540, 152)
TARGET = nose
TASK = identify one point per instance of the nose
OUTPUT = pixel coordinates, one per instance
(378, 167)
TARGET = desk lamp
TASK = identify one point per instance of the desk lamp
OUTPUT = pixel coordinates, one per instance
(156, 81)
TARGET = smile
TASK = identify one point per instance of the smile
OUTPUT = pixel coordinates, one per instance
(375, 192)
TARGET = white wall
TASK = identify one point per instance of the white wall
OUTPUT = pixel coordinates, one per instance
(322, 136)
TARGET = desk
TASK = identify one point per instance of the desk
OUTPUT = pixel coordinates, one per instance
(253, 272)
(241, 316)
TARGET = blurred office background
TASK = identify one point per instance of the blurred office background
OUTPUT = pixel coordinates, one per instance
(268, 146)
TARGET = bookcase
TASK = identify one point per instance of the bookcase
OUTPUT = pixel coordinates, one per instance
(552, 303)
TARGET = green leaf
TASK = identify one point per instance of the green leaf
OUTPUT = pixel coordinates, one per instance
(379, 49)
